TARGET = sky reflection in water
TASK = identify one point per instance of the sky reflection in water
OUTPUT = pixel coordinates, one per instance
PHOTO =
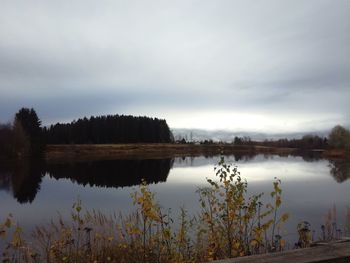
(309, 188)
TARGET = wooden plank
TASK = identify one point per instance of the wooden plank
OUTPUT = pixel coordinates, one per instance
(332, 252)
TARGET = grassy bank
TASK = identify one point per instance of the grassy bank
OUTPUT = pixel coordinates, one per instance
(85, 152)
(336, 154)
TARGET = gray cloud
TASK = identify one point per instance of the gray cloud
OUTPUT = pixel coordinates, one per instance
(283, 60)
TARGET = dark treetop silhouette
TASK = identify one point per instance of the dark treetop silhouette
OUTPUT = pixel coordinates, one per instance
(23, 178)
(109, 129)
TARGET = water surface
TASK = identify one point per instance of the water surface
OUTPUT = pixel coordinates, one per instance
(35, 192)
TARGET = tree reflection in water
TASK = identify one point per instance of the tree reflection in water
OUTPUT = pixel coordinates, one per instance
(113, 173)
(340, 170)
(23, 178)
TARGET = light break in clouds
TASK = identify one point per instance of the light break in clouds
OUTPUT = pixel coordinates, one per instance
(280, 66)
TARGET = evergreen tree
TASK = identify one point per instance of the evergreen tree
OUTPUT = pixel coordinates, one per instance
(29, 121)
(20, 141)
(110, 129)
(6, 135)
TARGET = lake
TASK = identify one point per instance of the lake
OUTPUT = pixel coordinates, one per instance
(36, 192)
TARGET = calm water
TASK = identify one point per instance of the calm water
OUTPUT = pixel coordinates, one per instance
(34, 192)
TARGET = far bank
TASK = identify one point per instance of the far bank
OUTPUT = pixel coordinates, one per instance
(82, 152)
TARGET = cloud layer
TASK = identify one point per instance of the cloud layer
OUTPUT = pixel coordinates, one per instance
(256, 65)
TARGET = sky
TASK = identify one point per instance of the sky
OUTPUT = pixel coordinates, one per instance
(250, 65)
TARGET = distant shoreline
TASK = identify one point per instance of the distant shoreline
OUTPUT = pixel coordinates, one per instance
(90, 152)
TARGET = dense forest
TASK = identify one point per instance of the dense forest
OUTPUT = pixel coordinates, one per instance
(109, 129)
(25, 137)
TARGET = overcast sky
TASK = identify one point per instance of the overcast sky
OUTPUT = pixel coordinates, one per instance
(268, 66)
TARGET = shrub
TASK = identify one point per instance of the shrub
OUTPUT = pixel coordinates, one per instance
(339, 138)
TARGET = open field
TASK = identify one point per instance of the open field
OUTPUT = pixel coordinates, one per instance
(123, 151)
(83, 152)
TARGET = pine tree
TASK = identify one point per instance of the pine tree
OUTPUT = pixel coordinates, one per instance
(31, 123)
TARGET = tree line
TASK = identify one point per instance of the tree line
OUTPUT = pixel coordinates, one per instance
(26, 137)
(307, 142)
(338, 138)
(109, 129)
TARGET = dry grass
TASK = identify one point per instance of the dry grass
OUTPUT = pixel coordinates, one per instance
(336, 154)
(144, 151)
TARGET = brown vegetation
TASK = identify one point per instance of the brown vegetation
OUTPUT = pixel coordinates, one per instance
(336, 154)
(83, 152)
(154, 150)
